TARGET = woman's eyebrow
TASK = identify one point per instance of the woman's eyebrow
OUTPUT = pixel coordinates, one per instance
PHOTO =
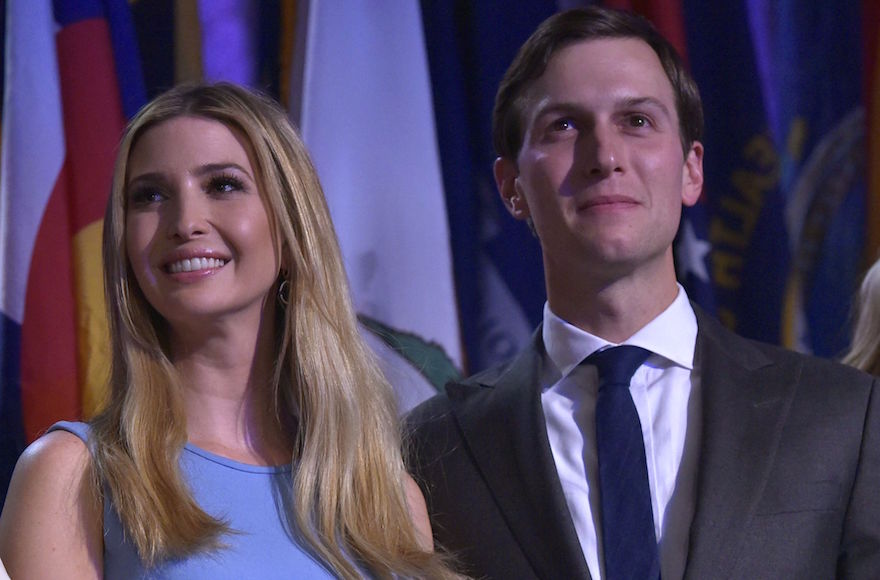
(221, 166)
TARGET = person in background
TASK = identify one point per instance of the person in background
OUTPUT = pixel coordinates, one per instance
(635, 436)
(864, 351)
(248, 432)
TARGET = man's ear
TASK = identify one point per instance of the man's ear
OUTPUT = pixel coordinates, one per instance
(506, 175)
(692, 176)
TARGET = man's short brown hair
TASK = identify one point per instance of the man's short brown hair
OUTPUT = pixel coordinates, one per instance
(565, 28)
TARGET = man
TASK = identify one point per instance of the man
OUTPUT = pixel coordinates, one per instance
(751, 461)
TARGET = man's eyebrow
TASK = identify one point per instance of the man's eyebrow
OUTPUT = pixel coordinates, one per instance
(551, 107)
(556, 107)
(639, 102)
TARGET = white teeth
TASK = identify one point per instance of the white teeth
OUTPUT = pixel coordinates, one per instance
(194, 264)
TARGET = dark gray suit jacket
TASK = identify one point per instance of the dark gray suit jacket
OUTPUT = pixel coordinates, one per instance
(788, 475)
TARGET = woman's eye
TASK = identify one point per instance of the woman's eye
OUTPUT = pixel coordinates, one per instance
(225, 184)
(145, 196)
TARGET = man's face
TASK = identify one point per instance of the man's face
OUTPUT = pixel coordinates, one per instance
(601, 171)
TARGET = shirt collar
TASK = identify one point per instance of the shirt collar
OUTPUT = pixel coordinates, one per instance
(568, 345)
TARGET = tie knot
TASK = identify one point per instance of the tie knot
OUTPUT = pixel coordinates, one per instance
(616, 365)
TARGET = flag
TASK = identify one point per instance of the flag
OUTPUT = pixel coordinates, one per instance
(871, 84)
(241, 41)
(666, 15)
(363, 103)
(72, 76)
(497, 261)
(784, 165)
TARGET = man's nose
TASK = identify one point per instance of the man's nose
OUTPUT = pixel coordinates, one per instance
(602, 150)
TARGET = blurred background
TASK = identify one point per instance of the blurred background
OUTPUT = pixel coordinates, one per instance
(393, 99)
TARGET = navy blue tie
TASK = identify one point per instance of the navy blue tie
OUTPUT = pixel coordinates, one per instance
(630, 545)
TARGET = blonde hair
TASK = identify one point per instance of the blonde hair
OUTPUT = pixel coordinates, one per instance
(864, 352)
(348, 493)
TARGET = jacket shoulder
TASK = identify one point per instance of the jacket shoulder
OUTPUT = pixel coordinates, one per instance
(753, 354)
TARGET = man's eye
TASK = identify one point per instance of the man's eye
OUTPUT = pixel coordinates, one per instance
(638, 121)
(564, 124)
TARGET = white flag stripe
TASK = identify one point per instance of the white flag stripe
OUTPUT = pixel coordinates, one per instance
(367, 119)
(33, 143)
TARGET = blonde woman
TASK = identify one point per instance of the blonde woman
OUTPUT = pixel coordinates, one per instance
(864, 352)
(248, 433)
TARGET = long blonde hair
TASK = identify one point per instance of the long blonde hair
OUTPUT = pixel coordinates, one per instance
(348, 496)
(864, 352)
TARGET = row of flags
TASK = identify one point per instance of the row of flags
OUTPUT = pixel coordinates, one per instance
(394, 102)
(71, 78)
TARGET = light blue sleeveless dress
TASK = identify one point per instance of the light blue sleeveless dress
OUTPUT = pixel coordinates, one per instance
(249, 498)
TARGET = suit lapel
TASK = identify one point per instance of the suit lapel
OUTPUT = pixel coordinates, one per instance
(745, 400)
(503, 425)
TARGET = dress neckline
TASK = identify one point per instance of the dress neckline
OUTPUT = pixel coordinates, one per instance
(233, 464)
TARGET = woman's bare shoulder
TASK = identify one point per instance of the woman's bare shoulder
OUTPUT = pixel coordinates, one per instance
(418, 511)
(56, 449)
(51, 522)
(51, 468)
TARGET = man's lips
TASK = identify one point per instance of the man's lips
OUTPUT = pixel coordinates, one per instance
(609, 201)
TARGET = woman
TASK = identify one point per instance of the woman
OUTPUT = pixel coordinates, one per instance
(864, 352)
(235, 349)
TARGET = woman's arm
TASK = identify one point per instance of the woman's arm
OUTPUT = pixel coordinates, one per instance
(51, 522)
(418, 511)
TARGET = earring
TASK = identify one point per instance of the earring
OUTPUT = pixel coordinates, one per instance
(284, 292)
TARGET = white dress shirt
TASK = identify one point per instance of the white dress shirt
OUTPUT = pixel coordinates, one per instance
(662, 390)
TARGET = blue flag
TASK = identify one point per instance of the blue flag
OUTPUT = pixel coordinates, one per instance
(497, 262)
(780, 84)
